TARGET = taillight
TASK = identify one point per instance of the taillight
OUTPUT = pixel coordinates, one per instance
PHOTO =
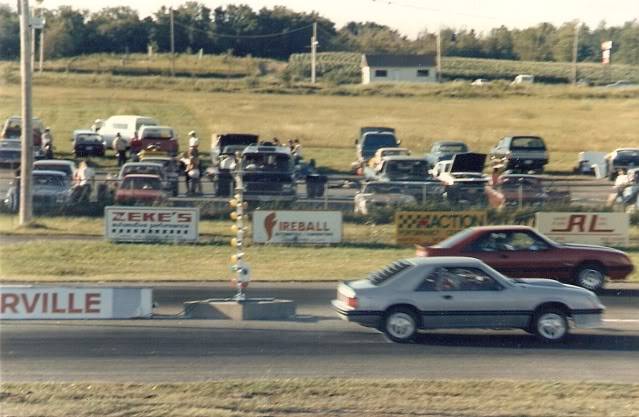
(352, 302)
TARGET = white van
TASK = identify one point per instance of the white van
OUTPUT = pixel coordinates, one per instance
(126, 125)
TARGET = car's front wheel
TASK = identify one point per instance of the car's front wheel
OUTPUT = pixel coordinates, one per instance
(590, 277)
(551, 325)
(400, 325)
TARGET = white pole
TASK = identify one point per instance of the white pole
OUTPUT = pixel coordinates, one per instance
(314, 53)
(26, 209)
(172, 45)
(41, 49)
(439, 55)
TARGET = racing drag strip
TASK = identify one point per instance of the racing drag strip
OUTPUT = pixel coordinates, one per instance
(316, 344)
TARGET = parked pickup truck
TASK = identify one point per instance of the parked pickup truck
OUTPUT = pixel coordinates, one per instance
(371, 139)
(224, 147)
(526, 154)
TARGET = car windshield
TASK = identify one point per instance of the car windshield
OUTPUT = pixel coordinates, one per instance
(9, 154)
(453, 148)
(389, 271)
(379, 140)
(49, 181)
(271, 162)
(141, 184)
(157, 133)
(627, 155)
(528, 143)
(88, 138)
(54, 167)
(407, 168)
(141, 169)
(454, 239)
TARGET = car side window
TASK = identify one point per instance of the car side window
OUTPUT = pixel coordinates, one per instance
(523, 241)
(465, 279)
(490, 242)
(429, 283)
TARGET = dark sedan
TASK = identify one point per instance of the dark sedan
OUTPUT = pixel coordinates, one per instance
(87, 143)
(522, 252)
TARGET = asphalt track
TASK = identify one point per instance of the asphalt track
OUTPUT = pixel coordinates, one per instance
(315, 344)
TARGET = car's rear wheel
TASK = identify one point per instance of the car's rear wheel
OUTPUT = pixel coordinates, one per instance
(400, 325)
(551, 325)
(590, 277)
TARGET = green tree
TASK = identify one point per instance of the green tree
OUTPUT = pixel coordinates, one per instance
(9, 33)
(117, 29)
(66, 32)
(499, 44)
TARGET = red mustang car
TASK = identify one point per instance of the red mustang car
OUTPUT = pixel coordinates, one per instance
(140, 189)
(521, 252)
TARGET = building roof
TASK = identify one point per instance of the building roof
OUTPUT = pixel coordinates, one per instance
(388, 60)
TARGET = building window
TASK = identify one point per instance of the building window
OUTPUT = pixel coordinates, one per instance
(423, 73)
(381, 73)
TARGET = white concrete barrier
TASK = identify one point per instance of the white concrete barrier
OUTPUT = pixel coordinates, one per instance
(33, 302)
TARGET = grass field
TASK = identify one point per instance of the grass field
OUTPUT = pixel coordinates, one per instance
(328, 125)
(323, 397)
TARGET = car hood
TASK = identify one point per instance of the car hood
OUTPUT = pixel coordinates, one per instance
(541, 282)
(597, 248)
(468, 162)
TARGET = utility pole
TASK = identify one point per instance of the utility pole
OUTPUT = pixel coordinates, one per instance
(41, 50)
(314, 53)
(439, 55)
(575, 50)
(26, 160)
(172, 45)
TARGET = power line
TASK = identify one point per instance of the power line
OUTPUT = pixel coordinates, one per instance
(262, 36)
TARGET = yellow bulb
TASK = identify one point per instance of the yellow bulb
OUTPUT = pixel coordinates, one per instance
(234, 228)
(233, 202)
(234, 242)
(234, 215)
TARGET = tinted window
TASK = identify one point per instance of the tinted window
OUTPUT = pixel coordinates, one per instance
(49, 181)
(423, 73)
(54, 167)
(381, 73)
(379, 140)
(527, 143)
(407, 168)
(509, 241)
(453, 148)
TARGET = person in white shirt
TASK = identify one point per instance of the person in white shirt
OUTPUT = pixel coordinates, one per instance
(84, 179)
(194, 142)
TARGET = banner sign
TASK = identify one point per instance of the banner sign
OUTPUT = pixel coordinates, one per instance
(293, 226)
(58, 303)
(151, 224)
(431, 227)
(611, 229)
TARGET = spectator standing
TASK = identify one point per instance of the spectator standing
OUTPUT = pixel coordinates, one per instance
(84, 181)
(119, 146)
(297, 150)
(193, 172)
(194, 143)
(47, 143)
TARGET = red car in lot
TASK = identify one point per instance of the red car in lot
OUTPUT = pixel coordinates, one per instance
(140, 189)
(522, 252)
(162, 138)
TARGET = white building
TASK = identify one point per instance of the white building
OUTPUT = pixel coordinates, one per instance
(399, 68)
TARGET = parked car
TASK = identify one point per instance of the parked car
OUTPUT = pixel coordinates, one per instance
(444, 150)
(49, 189)
(238, 141)
(522, 252)
(621, 159)
(161, 138)
(382, 195)
(10, 158)
(268, 173)
(523, 79)
(463, 178)
(519, 153)
(126, 125)
(170, 168)
(401, 168)
(87, 143)
(67, 167)
(12, 130)
(459, 292)
(140, 189)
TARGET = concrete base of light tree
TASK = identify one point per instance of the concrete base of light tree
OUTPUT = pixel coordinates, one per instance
(248, 309)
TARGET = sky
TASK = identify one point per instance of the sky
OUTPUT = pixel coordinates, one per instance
(412, 16)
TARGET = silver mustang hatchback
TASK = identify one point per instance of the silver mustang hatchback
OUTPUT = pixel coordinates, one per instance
(460, 292)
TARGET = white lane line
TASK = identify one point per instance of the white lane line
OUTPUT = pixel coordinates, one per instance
(621, 321)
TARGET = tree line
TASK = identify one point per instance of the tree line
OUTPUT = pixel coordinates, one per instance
(279, 32)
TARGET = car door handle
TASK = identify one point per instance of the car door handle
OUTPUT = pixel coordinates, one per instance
(447, 297)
